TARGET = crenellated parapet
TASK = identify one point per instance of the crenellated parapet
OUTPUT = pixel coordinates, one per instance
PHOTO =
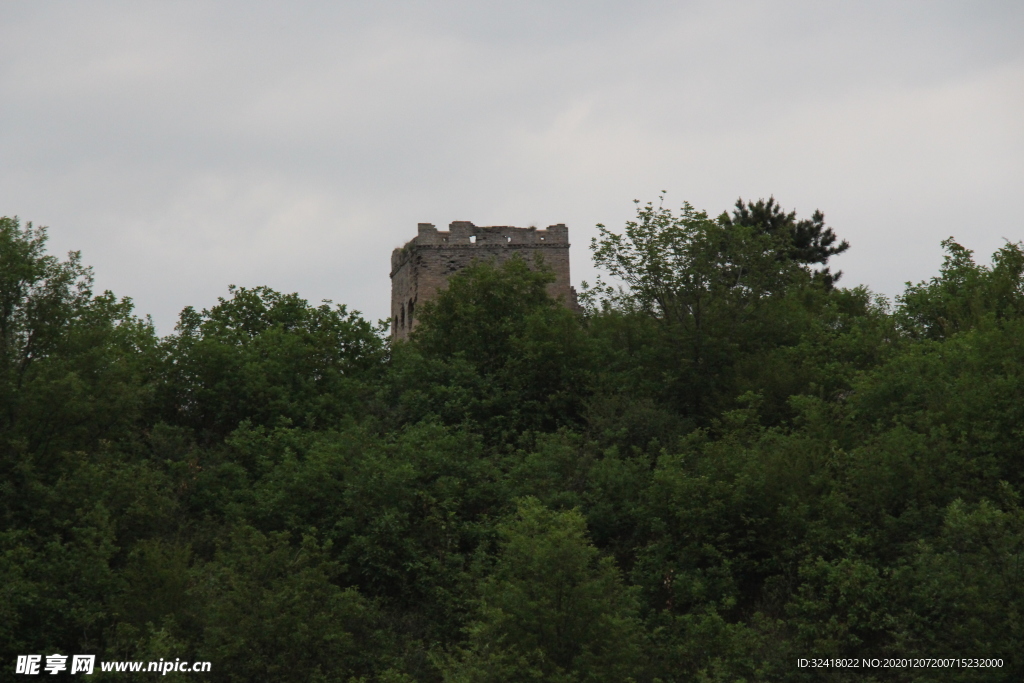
(422, 267)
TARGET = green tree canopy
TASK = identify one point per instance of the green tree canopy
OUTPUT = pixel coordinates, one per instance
(552, 609)
(727, 464)
(70, 362)
(515, 357)
(718, 292)
(809, 240)
(965, 294)
(266, 357)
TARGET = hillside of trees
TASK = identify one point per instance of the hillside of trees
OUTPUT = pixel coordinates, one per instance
(727, 463)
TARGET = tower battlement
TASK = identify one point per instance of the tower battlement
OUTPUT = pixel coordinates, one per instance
(422, 267)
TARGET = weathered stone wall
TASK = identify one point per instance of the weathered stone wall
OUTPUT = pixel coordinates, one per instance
(424, 264)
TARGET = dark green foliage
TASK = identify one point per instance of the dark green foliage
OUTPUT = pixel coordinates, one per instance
(495, 350)
(807, 241)
(270, 611)
(551, 608)
(267, 358)
(723, 466)
(71, 363)
(965, 294)
(704, 299)
(73, 369)
(483, 312)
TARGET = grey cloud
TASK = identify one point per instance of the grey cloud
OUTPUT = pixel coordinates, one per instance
(187, 146)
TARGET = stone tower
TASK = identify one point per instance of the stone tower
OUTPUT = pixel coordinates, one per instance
(424, 264)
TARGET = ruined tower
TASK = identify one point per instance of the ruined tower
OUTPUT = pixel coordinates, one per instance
(424, 264)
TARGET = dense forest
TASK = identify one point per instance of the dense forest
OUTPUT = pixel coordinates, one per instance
(725, 463)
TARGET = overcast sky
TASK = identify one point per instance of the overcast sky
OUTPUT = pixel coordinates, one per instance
(186, 146)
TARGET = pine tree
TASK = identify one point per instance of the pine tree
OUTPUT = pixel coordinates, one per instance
(811, 241)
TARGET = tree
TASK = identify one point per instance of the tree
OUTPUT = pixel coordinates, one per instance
(552, 609)
(716, 290)
(481, 312)
(74, 367)
(679, 267)
(70, 369)
(809, 240)
(74, 383)
(267, 357)
(270, 611)
(501, 350)
(965, 293)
